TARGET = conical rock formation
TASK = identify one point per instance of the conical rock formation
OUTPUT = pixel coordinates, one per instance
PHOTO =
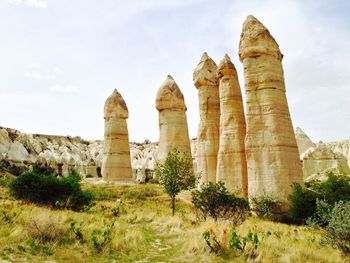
(232, 164)
(116, 163)
(271, 149)
(173, 130)
(206, 81)
(303, 141)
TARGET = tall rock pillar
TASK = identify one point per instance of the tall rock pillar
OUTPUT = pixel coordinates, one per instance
(206, 81)
(173, 130)
(232, 164)
(271, 149)
(116, 164)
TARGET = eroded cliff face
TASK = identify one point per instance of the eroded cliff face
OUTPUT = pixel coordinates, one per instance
(66, 154)
(321, 158)
(342, 147)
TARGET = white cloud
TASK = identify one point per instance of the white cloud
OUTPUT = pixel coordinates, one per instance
(64, 88)
(31, 3)
(35, 71)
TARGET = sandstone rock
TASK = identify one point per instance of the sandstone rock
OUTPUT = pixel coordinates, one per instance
(232, 164)
(5, 141)
(18, 152)
(271, 148)
(206, 81)
(321, 158)
(173, 130)
(143, 161)
(116, 164)
(303, 141)
(342, 147)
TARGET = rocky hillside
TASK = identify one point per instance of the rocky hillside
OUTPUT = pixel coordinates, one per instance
(65, 154)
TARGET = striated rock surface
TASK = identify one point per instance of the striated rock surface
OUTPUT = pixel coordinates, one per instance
(303, 141)
(271, 148)
(342, 147)
(321, 158)
(173, 130)
(232, 164)
(116, 164)
(206, 81)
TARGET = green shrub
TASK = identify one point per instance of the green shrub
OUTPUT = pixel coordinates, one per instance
(304, 199)
(338, 229)
(303, 202)
(239, 243)
(267, 206)
(47, 189)
(322, 214)
(5, 181)
(334, 189)
(214, 200)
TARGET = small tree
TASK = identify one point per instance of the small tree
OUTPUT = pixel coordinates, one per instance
(176, 174)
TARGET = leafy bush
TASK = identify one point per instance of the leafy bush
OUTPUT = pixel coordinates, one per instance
(47, 189)
(214, 200)
(101, 238)
(334, 189)
(267, 206)
(304, 199)
(239, 243)
(5, 181)
(338, 229)
(235, 242)
(322, 214)
(303, 202)
(176, 174)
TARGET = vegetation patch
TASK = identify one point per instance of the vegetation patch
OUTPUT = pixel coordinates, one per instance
(50, 190)
(215, 201)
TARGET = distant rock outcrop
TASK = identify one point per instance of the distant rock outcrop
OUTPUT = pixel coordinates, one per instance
(303, 141)
(321, 158)
(66, 154)
(342, 147)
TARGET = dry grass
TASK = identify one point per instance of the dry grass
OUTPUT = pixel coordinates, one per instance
(144, 231)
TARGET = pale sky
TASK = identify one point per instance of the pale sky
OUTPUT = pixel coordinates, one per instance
(61, 59)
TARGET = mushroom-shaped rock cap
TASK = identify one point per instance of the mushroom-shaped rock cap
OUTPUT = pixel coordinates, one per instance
(115, 106)
(205, 72)
(256, 40)
(226, 67)
(169, 96)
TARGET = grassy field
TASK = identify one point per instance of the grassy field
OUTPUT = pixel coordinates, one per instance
(134, 224)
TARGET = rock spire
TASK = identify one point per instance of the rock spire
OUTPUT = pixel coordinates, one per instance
(173, 130)
(232, 164)
(206, 82)
(116, 164)
(271, 149)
